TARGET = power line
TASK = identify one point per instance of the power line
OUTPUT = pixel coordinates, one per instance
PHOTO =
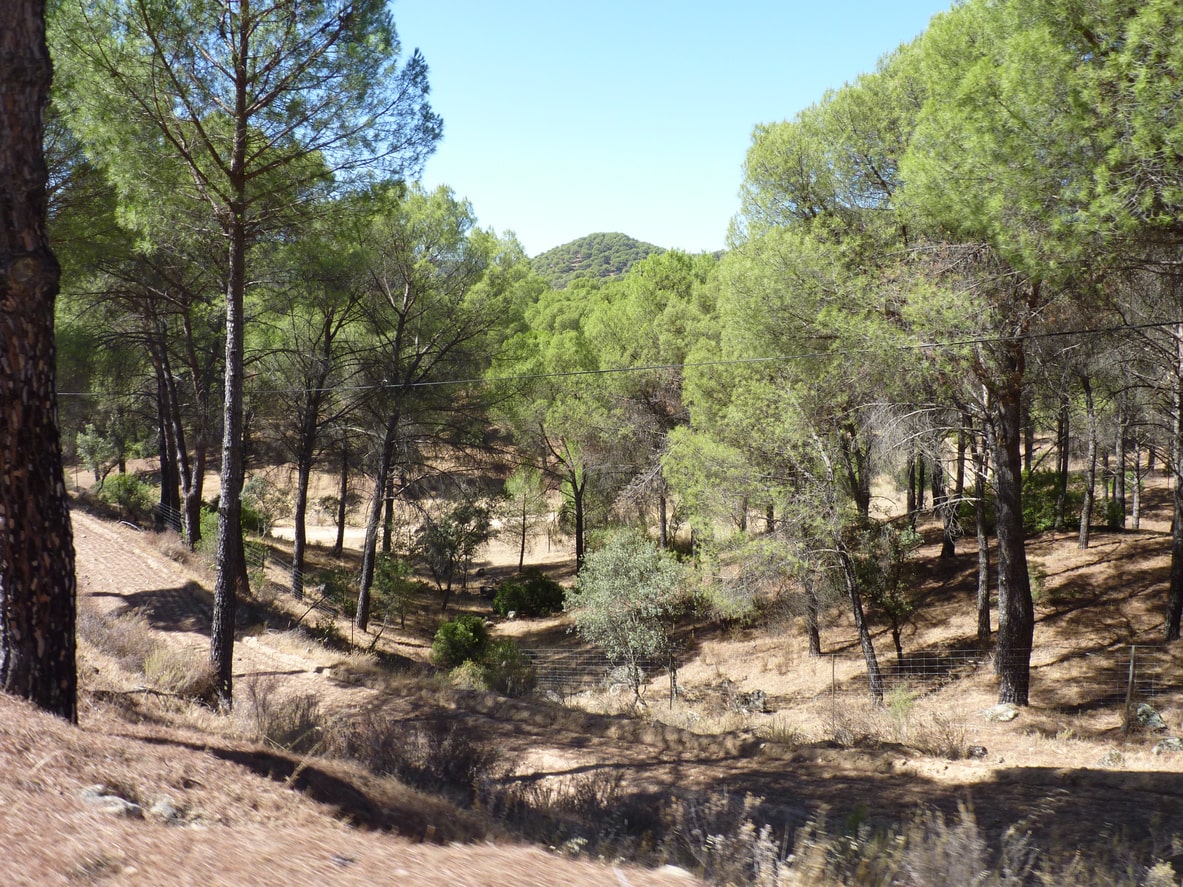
(733, 361)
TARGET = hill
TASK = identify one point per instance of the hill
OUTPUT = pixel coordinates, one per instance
(152, 789)
(596, 255)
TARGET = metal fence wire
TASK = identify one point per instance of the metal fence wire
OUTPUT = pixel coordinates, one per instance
(1083, 678)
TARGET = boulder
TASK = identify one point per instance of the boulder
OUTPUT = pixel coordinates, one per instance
(1148, 718)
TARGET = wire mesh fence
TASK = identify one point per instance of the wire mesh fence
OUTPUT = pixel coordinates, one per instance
(1063, 677)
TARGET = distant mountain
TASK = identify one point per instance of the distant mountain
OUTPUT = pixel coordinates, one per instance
(596, 255)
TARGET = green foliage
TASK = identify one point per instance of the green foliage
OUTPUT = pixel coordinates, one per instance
(459, 640)
(507, 670)
(627, 601)
(340, 589)
(595, 256)
(262, 504)
(132, 496)
(882, 568)
(448, 543)
(394, 588)
(1041, 490)
(502, 668)
(97, 452)
(531, 594)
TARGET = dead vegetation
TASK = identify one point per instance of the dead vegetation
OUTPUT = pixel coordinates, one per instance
(333, 761)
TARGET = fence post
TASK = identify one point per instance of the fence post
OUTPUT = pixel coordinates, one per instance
(1129, 691)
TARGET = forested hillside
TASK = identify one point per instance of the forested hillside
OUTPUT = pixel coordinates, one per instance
(947, 334)
(973, 248)
(594, 256)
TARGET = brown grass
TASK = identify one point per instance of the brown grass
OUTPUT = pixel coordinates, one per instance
(346, 767)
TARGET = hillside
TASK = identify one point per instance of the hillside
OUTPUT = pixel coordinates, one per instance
(593, 256)
(245, 798)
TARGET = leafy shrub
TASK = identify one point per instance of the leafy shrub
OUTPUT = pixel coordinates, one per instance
(531, 594)
(458, 640)
(129, 494)
(1041, 491)
(340, 589)
(507, 670)
(627, 602)
(469, 675)
(394, 588)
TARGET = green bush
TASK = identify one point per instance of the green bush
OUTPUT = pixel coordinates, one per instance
(458, 640)
(507, 670)
(1040, 492)
(340, 589)
(395, 588)
(531, 594)
(129, 494)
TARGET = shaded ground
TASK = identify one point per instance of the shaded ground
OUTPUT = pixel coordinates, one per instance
(1063, 770)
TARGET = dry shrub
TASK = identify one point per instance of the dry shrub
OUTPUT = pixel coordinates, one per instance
(942, 735)
(289, 721)
(439, 754)
(184, 673)
(719, 836)
(856, 725)
(586, 815)
(170, 544)
(127, 638)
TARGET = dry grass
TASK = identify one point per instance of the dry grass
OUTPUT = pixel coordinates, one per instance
(330, 756)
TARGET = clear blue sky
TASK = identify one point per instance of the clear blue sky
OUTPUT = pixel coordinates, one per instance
(563, 119)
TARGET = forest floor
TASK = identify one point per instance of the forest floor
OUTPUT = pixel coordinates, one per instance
(219, 807)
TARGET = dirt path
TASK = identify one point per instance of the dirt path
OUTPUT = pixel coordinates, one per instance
(119, 571)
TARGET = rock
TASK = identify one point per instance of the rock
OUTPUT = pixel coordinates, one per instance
(747, 703)
(98, 796)
(1112, 758)
(1005, 711)
(1148, 718)
(976, 751)
(166, 811)
(1166, 746)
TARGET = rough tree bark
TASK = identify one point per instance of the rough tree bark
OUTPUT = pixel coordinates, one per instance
(37, 584)
(1016, 611)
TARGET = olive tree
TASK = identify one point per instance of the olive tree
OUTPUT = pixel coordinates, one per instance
(627, 602)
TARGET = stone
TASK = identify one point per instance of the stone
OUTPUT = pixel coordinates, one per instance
(1168, 746)
(166, 811)
(1004, 711)
(1148, 718)
(748, 703)
(99, 797)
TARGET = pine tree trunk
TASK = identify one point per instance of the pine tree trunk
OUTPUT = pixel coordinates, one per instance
(874, 674)
(812, 617)
(1175, 591)
(1119, 454)
(1016, 611)
(1090, 465)
(342, 500)
(373, 524)
(37, 584)
(229, 555)
(1062, 444)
